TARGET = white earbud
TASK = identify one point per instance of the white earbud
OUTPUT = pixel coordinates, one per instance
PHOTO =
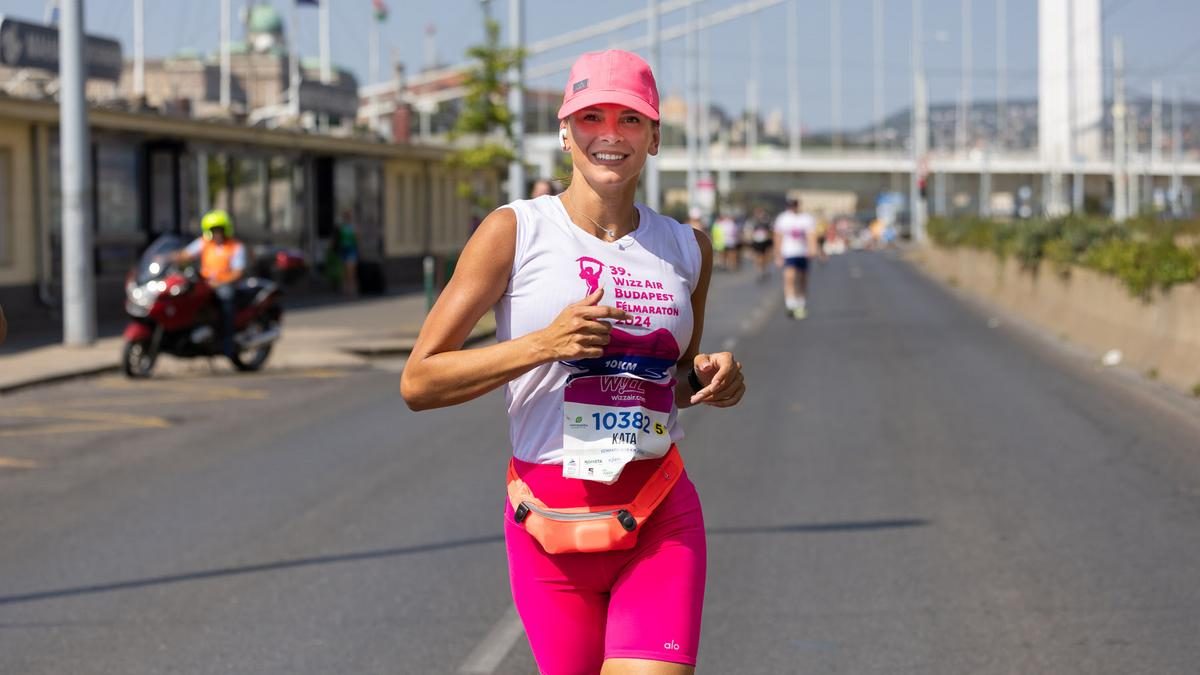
(562, 139)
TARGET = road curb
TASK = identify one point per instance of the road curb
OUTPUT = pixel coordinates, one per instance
(404, 347)
(90, 371)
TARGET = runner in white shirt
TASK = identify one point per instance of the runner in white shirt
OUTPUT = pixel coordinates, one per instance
(795, 238)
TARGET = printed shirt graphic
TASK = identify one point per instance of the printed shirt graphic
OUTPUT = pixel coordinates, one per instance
(617, 407)
(791, 233)
(599, 413)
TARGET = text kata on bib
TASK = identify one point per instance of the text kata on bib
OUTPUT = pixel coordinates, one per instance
(617, 407)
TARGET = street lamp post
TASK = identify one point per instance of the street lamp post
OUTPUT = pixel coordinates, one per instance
(653, 198)
(79, 296)
(516, 101)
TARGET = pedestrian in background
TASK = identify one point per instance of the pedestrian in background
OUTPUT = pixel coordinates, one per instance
(593, 390)
(542, 187)
(731, 242)
(346, 245)
(761, 236)
(795, 242)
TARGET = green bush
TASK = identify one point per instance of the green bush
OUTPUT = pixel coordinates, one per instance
(1142, 252)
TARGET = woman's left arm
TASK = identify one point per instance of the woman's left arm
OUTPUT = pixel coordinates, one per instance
(719, 374)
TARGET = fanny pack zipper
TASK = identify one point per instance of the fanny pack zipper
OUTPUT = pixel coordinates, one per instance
(622, 515)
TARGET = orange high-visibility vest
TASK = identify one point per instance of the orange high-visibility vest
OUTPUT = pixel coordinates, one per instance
(215, 261)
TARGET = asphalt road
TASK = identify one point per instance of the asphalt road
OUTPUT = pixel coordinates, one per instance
(906, 489)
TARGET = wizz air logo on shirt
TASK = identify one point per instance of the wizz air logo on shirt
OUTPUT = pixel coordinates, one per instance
(623, 388)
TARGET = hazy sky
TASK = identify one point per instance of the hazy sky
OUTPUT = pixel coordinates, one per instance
(1160, 35)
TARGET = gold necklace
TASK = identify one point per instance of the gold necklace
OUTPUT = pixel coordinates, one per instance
(612, 234)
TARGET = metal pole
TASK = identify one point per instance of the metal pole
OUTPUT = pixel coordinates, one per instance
(516, 102)
(920, 149)
(793, 76)
(1156, 123)
(1001, 72)
(985, 185)
(1176, 152)
(294, 62)
(1055, 197)
(690, 86)
(79, 295)
(961, 127)
(653, 192)
(139, 48)
(752, 88)
(703, 68)
(326, 48)
(878, 58)
(835, 71)
(225, 59)
(916, 208)
(1131, 159)
(373, 49)
(1120, 191)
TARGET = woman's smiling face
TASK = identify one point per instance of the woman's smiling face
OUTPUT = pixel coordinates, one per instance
(609, 143)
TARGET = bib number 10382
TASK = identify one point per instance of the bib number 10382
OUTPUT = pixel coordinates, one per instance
(624, 420)
(610, 421)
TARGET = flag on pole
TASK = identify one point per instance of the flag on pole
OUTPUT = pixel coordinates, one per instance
(381, 10)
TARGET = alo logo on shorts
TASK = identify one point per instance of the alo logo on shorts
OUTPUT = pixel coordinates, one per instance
(671, 645)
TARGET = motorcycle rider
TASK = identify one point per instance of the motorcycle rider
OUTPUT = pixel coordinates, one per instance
(222, 262)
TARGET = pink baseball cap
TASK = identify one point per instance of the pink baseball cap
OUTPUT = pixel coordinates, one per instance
(612, 76)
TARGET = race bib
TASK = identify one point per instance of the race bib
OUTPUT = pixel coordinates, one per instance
(611, 420)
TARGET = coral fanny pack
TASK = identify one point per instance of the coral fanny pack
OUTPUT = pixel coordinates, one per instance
(592, 529)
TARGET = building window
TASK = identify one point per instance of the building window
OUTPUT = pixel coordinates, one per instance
(249, 212)
(116, 190)
(370, 199)
(119, 233)
(189, 194)
(282, 191)
(218, 182)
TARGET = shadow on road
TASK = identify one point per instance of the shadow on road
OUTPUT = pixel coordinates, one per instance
(37, 596)
(246, 569)
(807, 528)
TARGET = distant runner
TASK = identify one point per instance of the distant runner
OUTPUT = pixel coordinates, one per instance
(761, 237)
(795, 241)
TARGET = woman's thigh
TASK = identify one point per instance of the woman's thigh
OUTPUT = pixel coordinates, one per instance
(562, 601)
(657, 599)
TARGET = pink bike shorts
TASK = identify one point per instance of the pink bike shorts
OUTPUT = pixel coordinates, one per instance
(582, 608)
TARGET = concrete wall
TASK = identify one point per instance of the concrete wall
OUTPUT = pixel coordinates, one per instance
(1088, 309)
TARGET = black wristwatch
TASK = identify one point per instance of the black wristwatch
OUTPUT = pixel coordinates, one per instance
(695, 382)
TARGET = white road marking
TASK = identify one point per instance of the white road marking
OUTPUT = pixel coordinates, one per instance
(487, 656)
(729, 344)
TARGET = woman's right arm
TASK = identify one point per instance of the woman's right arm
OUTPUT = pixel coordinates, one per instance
(440, 372)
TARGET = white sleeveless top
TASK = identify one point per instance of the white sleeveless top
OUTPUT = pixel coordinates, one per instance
(650, 273)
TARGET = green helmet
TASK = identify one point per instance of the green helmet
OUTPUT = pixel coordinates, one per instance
(214, 219)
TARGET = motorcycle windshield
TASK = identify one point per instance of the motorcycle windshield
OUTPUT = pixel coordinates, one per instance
(156, 259)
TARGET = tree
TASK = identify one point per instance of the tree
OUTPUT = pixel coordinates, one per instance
(484, 112)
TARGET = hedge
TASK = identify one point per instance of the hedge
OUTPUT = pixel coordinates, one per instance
(1144, 253)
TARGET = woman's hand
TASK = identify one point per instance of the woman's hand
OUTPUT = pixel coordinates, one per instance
(579, 332)
(722, 378)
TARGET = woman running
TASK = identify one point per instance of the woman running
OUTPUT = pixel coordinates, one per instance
(598, 301)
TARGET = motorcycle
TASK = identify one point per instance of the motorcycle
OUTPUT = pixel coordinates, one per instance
(172, 311)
